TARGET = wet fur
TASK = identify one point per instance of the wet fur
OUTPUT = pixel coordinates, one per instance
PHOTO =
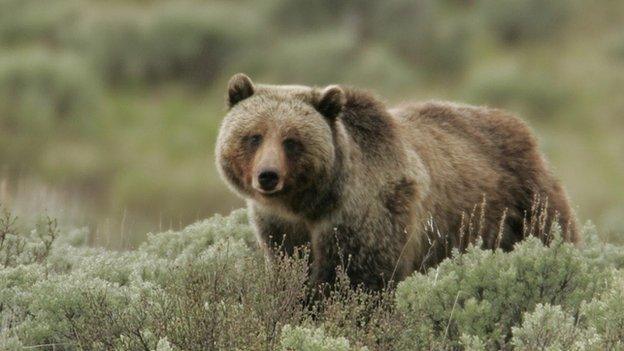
(400, 185)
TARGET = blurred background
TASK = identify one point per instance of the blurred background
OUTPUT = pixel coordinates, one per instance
(109, 109)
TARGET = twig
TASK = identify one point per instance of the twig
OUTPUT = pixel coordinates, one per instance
(451, 316)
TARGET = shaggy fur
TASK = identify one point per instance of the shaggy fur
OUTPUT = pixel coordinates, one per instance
(384, 191)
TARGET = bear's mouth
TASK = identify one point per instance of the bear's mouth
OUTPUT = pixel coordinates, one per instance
(270, 193)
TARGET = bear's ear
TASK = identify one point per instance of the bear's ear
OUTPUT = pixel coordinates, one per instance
(240, 87)
(331, 102)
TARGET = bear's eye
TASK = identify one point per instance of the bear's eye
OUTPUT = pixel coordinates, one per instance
(253, 140)
(292, 146)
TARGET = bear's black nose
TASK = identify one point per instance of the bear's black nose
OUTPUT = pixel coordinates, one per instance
(268, 180)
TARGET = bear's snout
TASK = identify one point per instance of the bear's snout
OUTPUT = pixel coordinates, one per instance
(269, 168)
(269, 180)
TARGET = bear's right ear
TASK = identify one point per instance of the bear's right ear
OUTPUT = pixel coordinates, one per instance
(240, 87)
(331, 102)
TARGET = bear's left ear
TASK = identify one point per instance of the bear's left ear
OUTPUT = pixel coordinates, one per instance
(240, 87)
(331, 102)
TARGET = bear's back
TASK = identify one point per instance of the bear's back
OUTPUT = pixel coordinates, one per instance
(483, 152)
(500, 137)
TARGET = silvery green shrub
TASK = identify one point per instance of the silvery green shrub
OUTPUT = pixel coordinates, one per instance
(606, 315)
(26, 21)
(521, 21)
(40, 90)
(305, 339)
(485, 293)
(189, 42)
(209, 287)
(550, 328)
(43, 94)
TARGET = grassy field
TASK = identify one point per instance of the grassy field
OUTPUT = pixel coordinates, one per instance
(113, 108)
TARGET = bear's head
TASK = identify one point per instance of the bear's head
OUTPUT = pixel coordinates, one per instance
(277, 142)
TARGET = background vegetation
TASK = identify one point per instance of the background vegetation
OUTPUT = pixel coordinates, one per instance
(109, 110)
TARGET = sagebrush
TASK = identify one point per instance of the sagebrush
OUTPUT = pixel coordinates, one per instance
(208, 287)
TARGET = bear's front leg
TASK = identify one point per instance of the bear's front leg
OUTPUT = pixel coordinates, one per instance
(275, 232)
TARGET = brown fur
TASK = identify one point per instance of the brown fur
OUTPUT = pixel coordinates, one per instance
(386, 192)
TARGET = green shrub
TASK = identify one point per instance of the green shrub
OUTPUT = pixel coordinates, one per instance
(116, 44)
(187, 288)
(29, 21)
(413, 31)
(197, 237)
(197, 43)
(303, 15)
(209, 287)
(9, 343)
(305, 339)
(606, 315)
(550, 328)
(472, 343)
(421, 32)
(616, 49)
(516, 21)
(601, 253)
(190, 41)
(389, 72)
(40, 91)
(536, 95)
(42, 94)
(366, 318)
(485, 293)
(314, 58)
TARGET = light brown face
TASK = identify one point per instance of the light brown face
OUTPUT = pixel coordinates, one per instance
(274, 143)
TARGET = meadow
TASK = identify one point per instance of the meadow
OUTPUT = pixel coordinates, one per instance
(116, 232)
(112, 108)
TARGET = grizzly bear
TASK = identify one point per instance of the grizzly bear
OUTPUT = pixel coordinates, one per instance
(383, 192)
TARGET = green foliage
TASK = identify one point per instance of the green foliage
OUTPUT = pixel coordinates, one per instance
(413, 31)
(472, 343)
(9, 343)
(535, 95)
(423, 34)
(518, 21)
(301, 15)
(114, 44)
(484, 293)
(209, 287)
(41, 93)
(305, 339)
(550, 328)
(187, 42)
(196, 237)
(388, 70)
(606, 315)
(26, 21)
(606, 254)
(325, 53)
